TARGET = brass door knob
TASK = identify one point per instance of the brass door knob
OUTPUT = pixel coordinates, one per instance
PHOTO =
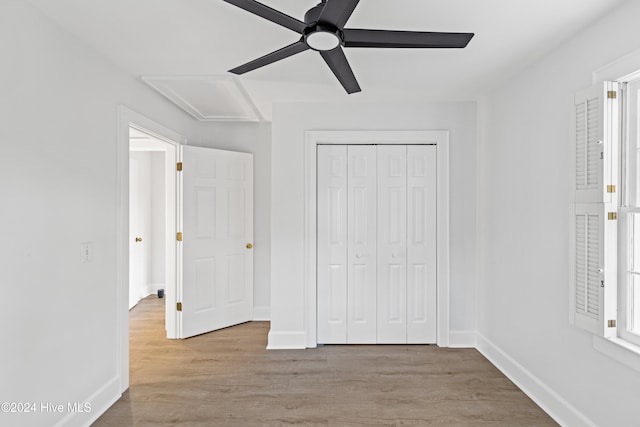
(138, 239)
(249, 246)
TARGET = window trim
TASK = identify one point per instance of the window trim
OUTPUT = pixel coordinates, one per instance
(623, 69)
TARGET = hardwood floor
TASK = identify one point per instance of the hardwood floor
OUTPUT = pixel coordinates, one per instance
(227, 378)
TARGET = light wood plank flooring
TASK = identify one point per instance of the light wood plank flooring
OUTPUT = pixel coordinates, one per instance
(227, 378)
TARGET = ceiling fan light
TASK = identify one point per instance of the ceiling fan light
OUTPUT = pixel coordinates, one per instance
(322, 40)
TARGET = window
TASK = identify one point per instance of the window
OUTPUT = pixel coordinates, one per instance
(629, 308)
(629, 227)
(605, 211)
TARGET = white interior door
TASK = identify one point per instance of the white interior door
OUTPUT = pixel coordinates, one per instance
(421, 244)
(361, 237)
(217, 225)
(332, 244)
(137, 279)
(392, 244)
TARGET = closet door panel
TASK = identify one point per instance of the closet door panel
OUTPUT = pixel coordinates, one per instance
(332, 244)
(361, 253)
(421, 244)
(392, 244)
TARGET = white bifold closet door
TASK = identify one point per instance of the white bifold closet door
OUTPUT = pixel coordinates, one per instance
(406, 244)
(332, 244)
(376, 244)
(361, 244)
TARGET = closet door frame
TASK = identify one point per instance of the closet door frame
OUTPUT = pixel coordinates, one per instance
(440, 139)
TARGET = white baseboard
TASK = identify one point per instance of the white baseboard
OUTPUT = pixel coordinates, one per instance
(262, 314)
(551, 402)
(462, 339)
(280, 340)
(100, 401)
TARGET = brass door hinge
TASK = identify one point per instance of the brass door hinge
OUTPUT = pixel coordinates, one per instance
(612, 216)
(179, 236)
(179, 306)
(179, 166)
(612, 94)
(611, 188)
(611, 323)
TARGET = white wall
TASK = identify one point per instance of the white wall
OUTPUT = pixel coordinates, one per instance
(290, 121)
(523, 245)
(251, 138)
(58, 120)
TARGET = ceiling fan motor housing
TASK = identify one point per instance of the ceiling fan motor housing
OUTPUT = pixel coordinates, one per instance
(322, 37)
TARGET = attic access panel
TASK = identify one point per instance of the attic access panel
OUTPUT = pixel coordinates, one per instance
(207, 98)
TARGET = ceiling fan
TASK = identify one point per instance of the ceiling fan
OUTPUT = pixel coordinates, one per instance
(323, 31)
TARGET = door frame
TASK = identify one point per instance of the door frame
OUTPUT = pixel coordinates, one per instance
(440, 139)
(128, 118)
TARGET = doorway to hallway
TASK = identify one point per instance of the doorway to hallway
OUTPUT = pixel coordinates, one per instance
(152, 219)
(208, 219)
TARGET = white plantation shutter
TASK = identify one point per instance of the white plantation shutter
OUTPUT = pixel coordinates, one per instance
(588, 270)
(589, 146)
(595, 188)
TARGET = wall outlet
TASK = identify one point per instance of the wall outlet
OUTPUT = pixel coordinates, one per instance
(85, 252)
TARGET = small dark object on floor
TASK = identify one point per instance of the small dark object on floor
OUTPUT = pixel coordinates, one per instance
(160, 293)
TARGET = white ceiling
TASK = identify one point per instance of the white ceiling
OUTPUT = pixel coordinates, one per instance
(208, 37)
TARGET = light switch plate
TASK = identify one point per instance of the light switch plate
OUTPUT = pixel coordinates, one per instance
(85, 252)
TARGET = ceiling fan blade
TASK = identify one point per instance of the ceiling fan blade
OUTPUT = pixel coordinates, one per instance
(338, 63)
(272, 57)
(270, 14)
(404, 39)
(337, 12)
